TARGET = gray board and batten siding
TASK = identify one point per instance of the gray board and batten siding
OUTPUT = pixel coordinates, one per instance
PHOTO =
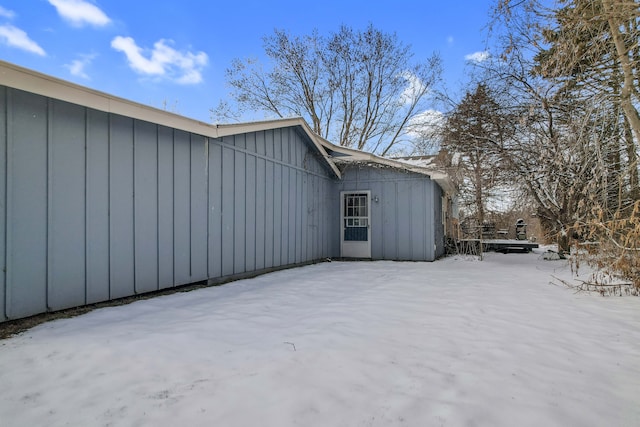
(406, 214)
(102, 198)
(98, 206)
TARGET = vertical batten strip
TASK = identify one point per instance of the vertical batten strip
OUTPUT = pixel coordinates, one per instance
(86, 177)
(173, 202)
(157, 188)
(190, 192)
(427, 206)
(3, 210)
(109, 200)
(208, 201)
(49, 220)
(8, 247)
(133, 216)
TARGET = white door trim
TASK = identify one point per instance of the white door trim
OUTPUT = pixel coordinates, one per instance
(355, 248)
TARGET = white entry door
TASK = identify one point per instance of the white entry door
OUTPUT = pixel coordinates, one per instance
(355, 235)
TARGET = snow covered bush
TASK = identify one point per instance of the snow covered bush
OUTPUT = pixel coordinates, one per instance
(611, 244)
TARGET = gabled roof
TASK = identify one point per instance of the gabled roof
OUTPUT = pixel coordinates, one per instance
(31, 81)
(350, 155)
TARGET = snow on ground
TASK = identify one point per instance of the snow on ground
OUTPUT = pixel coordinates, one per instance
(457, 342)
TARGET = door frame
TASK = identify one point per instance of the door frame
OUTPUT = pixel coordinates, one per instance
(355, 249)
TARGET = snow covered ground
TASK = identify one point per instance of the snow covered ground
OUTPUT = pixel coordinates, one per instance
(457, 342)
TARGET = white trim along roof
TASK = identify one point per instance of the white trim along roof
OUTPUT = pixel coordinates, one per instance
(31, 81)
(351, 155)
(28, 80)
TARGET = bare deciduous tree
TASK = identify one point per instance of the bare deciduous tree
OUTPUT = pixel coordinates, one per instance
(593, 49)
(575, 68)
(362, 89)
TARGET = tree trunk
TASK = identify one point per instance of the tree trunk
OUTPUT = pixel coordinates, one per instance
(632, 157)
(623, 56)
(563, 242)
(478, 195)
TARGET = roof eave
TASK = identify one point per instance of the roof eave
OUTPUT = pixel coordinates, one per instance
(352, 155)
(28, 80)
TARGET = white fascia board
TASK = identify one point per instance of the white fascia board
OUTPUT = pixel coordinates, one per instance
(32, 81)
(42, 84)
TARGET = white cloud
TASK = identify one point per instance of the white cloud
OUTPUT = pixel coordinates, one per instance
(415, 87)
(450, 40)
(15, 37)
(163, 60)
(80, 13)
(427, 122)
(133, 53)
(77, 66)
(426, 127)
(477, 56)
(6, 13)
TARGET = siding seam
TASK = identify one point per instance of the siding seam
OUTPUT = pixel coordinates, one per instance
(133, 173)
(86, 228)
(173, 204)
(190, 206)
(208, 207)
(109, 201)
(5, 272)
(157, 130)
(49, 220)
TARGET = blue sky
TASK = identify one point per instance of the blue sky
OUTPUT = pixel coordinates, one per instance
(173, 54)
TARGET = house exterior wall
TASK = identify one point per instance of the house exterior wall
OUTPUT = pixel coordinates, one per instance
(97, 206)
(404, 220)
